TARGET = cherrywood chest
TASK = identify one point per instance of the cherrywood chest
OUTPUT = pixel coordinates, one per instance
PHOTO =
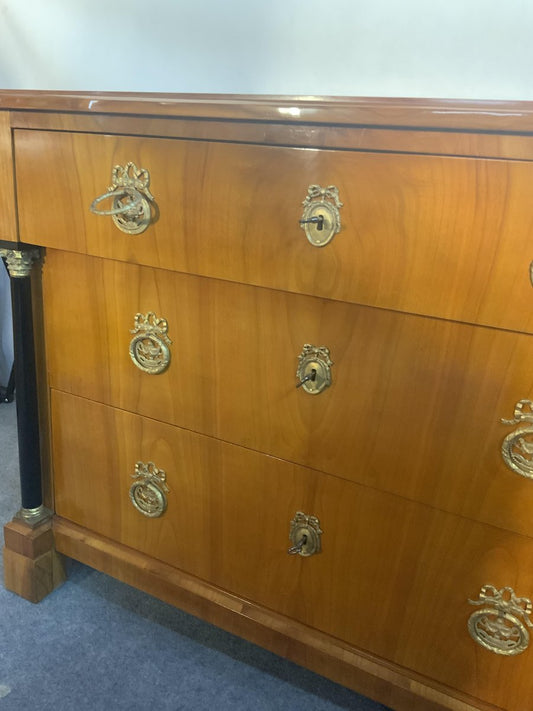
(283, 358)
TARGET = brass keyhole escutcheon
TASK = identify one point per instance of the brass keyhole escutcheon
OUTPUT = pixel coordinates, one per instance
(305, 535)
(314, 369)
(321, 218)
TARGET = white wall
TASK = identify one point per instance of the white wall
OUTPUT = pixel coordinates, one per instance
(432, 48)
(476, 49)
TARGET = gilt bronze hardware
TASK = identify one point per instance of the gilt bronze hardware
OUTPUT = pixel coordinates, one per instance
(517, 447)
(131, 210)
(148, 492)
(305, 535)
(314, 369)
(149, 346)
(501, 624)
(20, 262)
(321, 218)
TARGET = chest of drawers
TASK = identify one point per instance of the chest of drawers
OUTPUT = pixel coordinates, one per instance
(284, 351)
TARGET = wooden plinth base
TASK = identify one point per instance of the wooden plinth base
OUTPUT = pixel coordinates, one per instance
(32, 567)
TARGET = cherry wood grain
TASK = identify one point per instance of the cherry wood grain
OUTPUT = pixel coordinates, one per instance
(32, 567)
(424, 299)
(447, 237)
(227, 522)
(434, 113)
(8, 225)
(376, 678)
(361, 138)
(415, 406)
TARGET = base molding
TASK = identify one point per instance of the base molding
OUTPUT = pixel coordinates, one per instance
(32, 567)
(389, 684)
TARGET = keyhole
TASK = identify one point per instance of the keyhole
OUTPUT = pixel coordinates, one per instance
(311, 377)
(299, 546)
(317, 220)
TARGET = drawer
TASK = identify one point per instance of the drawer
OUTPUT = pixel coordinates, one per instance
(414, 408)
(393, 578)
(442, 236)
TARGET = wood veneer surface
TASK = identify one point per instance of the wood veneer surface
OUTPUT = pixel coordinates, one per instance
(383, 681)
(400, 456)
(415, 405)
(227, 522)
(446, 237)
(517, 146)
(8, 223)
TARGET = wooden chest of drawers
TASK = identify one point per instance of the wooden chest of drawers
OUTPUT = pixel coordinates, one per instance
(180, 454)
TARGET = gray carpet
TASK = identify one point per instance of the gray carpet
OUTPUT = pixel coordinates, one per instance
(96, 644)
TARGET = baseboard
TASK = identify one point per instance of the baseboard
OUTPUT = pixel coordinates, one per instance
(394, 686)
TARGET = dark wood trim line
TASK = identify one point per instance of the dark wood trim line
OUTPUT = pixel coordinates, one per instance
(442, 114)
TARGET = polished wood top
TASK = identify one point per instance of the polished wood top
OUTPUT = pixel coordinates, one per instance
(499, 116)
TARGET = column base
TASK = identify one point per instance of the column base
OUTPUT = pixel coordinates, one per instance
(32, 566)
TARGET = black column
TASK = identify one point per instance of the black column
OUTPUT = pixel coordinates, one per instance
(20, 260)
(26, 394)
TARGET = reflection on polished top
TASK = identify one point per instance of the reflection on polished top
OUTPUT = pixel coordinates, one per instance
(355, 111)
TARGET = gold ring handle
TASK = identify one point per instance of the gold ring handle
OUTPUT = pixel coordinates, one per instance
(517, 447)
(149, 489)
(131, 209)
(501, 625)
(149, 348)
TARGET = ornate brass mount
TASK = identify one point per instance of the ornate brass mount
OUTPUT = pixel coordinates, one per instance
(314, 369)
(501, 625)
(20, 262)
(149, 347)
(147, 493)
(321, 218)
(517, 447)
(131, 210)
(305, 533)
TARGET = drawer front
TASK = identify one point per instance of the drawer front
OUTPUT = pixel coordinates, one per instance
(414, 408)
(393, 577)
(442, 236)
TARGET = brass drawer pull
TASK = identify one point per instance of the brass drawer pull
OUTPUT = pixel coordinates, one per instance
(148, 492)
(149, 347)
(517, 447)
(501, 624)
(131, 210)
(321, 219)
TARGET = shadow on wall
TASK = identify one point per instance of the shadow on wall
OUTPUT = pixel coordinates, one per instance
(6, 328)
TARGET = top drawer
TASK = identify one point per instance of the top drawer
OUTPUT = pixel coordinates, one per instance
(442, 236)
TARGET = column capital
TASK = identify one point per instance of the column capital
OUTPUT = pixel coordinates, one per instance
(20, 261)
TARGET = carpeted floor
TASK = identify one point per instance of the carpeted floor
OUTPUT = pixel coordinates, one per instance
(96, 645)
